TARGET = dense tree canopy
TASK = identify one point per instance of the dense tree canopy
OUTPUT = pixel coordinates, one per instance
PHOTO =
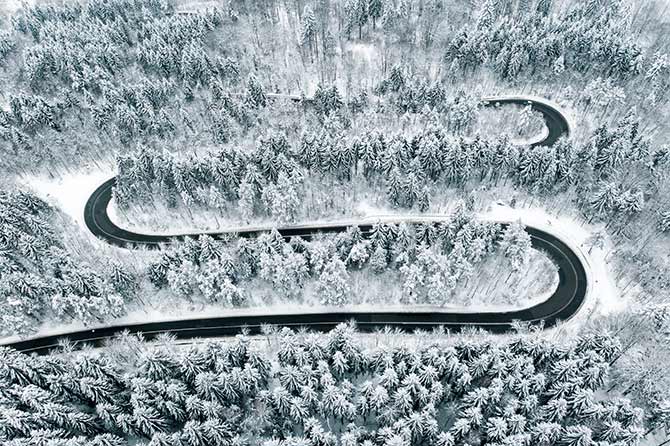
(40, 279)
(177, 96)
(588, 38)
(433, 260)
(607, 173)
(318, 390)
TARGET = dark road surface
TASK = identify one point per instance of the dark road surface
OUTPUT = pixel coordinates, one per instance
(555, 121)
(564, 303)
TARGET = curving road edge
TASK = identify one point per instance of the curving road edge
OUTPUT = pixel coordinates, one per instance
(561, 305)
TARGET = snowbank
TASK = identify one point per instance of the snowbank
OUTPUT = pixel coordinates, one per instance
(532, 140)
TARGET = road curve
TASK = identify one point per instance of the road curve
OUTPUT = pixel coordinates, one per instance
(556, 122)
(98, 222)
(562, 304)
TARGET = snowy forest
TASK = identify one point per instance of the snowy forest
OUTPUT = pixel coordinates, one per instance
(305, 389)
(500, 168)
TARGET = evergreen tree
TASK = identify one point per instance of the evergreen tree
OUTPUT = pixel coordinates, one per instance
(333, 283)
(413, 277)
(308, 31)
(544, 7)
(424, 199)
(361, 15)
(394, 188)
(282, 199)
(125, 282)
(487, 15)
(246, 203)
(396, 80)
(256, 92)
(606, 198)
(516, 245)
(664, 221)
(375, 11)
(359, 253)
(559, 65)
(378, 259)
(356, 15)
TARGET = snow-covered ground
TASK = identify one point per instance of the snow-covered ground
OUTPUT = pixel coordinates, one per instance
(11, 6)
(533, 139)
(603, 296)
(69, 193)
(363, 51)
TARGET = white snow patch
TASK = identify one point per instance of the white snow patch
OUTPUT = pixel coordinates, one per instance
(49, 328)
(69, 193)
(532, 140)
(283, 15)
(11, 6)
(366, 209)
(362, 51)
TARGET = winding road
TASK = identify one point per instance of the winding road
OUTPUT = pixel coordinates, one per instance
(562, 304)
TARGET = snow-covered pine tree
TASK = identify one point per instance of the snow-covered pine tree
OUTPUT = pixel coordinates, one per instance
(516, 244)
(256, 92)
(333, 284)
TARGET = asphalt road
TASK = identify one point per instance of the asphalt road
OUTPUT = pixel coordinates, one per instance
(555, 121)
(563, 304)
